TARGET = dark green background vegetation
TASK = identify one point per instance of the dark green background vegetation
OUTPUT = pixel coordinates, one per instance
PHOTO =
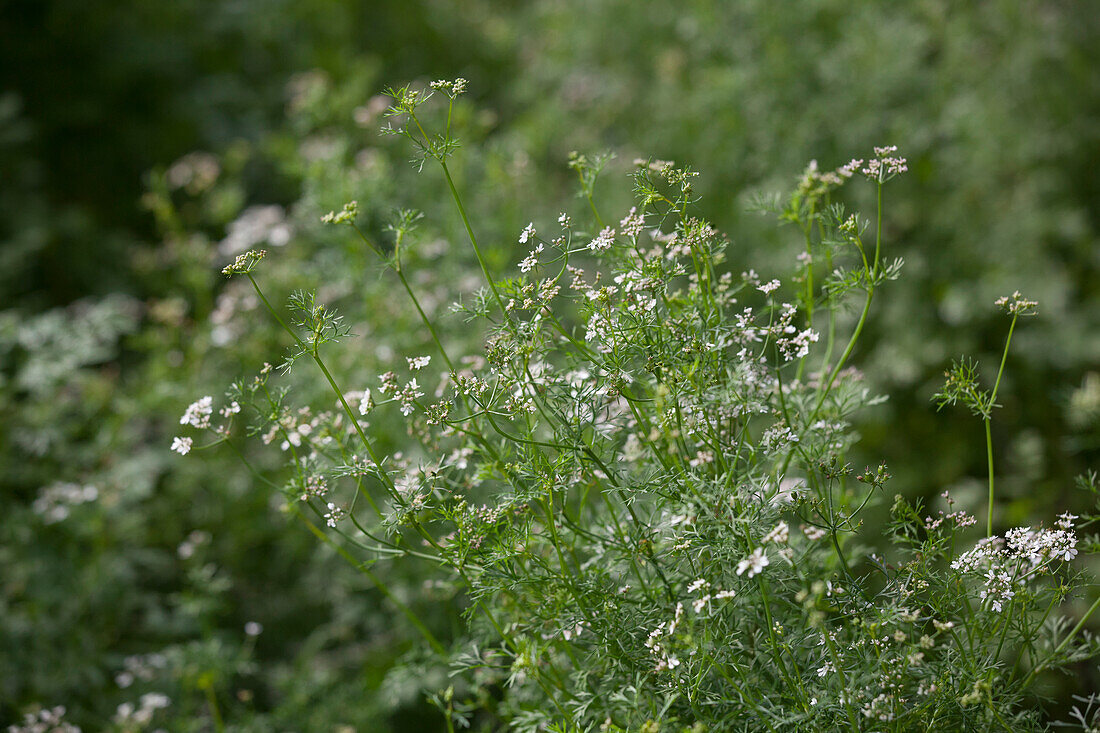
(109, 278)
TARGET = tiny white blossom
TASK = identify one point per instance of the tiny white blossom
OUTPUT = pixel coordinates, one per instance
(696, 585)
(333, 515)
(527, 234)
(768, 287)
(198, 413)
(813, 533)
(417, 363)
(408, 396)
(181, 445)
(754, 563)
(529, 262)
(779, 534)
(603, 241)
(632, 223)
(1065, 520)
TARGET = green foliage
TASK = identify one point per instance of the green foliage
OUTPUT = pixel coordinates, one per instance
(257, 118)
(609, 484)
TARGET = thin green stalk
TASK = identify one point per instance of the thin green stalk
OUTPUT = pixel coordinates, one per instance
(989, 459)
(588, 195)
(212, 701)
(878, 226)
(988, 432)
(774, 643)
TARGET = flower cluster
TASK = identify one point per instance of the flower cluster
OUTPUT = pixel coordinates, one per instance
(245, 262)
(198, 413)
(1007, 563)
(346, 215)
(1018, 305)
(880, 168)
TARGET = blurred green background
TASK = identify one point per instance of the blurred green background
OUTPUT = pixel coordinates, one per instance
(143, 143)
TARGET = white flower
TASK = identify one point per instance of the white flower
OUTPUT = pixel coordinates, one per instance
(198, 413)
(531, 260)
(696, 585)
(754, 563)
(417, 363)
(1017, 304)
(1065, 521)
(632, 223)
(253, 628)
(333, 515)
(780, 533)
(527, 233)
(603, 241)
(768, 287)
(408, 397)
(181, 445)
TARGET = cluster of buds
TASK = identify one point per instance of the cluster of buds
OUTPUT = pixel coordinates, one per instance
(1017, 305)
(245, 262)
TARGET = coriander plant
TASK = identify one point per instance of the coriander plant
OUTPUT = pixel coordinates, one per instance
(640, 486)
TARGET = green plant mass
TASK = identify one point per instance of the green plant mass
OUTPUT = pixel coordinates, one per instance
(720, 368)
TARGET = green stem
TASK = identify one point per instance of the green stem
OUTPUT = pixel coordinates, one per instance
(989, 458)
(212, 700)
(424, 318)
(988, 414)
(588, 195)
(1004, 357)
(878, 227)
